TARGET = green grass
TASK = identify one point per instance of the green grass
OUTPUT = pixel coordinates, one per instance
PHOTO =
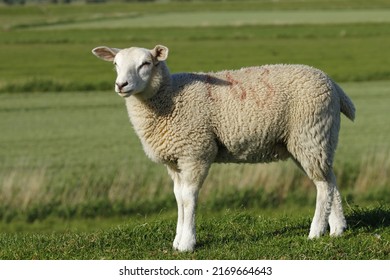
(226, 235)
(340, 50)
(33, 60)
(75, 183)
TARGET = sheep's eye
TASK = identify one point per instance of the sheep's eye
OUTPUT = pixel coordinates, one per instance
(145, 64)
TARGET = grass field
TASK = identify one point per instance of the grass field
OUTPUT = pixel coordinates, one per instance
(237, 234)
(75, 183)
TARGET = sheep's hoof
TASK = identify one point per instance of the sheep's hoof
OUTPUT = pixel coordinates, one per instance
(176, 243)
(313, 237)
(317, 230)
(184, 246)
(314, 234)
(338, 231)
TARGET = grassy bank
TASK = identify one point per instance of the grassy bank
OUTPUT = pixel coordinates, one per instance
(225, 235)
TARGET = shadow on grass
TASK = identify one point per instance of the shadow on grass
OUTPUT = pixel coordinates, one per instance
(242, 228)
(357, 218)
(368, 218)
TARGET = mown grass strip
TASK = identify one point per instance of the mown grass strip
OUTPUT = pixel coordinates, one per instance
(210, 18)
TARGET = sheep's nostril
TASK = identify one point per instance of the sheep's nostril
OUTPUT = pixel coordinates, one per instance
(122, 85)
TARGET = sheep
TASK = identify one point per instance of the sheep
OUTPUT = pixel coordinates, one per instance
(187, 121)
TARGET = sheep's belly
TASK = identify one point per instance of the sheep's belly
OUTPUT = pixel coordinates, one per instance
(251, 153)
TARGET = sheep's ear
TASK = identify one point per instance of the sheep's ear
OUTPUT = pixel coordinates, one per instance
(105, 53)
(160, 52)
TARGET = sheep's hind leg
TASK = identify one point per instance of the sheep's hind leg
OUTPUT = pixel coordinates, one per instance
(325, 192)
(328, 209)
(326, 189)
(337, 221)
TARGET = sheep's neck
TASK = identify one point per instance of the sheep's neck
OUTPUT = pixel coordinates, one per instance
(147, 107)
(148, 118)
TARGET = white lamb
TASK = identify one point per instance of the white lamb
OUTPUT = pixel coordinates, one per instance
(187, 121)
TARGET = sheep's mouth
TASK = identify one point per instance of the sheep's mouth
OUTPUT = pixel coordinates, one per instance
(125, 94)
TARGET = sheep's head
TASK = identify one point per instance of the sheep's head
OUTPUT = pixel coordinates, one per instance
(137, 68)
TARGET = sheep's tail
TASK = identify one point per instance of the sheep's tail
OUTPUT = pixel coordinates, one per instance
(346, 105)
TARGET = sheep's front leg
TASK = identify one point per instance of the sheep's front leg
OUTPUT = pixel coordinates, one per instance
(185, 239)
(187, 183)
(180, 210)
